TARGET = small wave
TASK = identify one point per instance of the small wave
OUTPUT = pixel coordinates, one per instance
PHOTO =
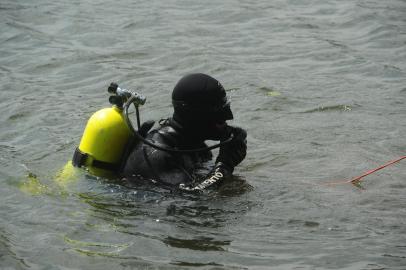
(8, 256)
(333, 108)
(304, 223)
(98, 248)
(336, 43)
(270, 91)
(394, 256)
(305, 26)
(189, 264)
(94, 244)
(201, 243)
(18, 116)
(12, 7)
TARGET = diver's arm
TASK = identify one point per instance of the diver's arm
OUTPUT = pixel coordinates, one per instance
(154, 164)
(230, 155)
(217, 176)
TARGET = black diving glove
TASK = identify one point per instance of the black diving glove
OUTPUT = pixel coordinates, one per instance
(231, 154)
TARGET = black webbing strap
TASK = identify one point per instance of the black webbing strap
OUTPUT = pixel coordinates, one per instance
(79, 159)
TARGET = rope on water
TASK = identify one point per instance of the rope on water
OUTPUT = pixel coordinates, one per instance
(357, 179)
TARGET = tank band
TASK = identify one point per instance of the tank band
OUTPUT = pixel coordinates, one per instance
(79, 159)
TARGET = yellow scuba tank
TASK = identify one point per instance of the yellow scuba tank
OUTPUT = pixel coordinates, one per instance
(108, 137)
(103, 142)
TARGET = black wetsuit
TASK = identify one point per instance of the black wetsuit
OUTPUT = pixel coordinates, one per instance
(190, 170)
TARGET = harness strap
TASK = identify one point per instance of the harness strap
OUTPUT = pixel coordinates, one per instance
(79, 159)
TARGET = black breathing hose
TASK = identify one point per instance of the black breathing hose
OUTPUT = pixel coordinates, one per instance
(162, 148)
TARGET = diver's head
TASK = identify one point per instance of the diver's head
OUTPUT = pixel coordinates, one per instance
(201, 106)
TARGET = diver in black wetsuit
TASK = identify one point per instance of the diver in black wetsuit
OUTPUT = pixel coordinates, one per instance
(200, 113)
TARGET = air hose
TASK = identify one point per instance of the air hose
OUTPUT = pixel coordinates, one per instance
(133, 99)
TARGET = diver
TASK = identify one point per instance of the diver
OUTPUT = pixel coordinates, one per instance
(201, 110)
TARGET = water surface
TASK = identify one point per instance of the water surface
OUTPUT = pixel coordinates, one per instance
(319, 85)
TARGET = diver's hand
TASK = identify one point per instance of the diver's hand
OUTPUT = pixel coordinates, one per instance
(232, 153)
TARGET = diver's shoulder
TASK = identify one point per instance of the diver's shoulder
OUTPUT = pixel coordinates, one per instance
(165, 134)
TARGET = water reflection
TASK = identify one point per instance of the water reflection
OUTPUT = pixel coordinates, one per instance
(198, 243)
(8, 257)
(120, 216)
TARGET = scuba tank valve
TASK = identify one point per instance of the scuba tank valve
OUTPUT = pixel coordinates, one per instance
(126, 94)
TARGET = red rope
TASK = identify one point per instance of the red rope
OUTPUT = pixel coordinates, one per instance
(357, 179)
